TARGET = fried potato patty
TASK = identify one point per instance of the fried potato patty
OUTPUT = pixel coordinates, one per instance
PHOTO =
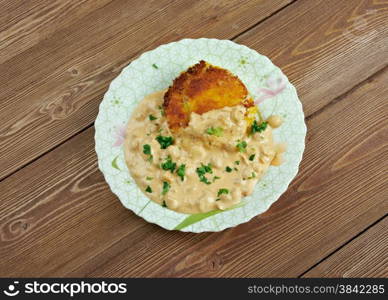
(203, 87)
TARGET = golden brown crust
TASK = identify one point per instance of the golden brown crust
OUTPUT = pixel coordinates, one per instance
(202, 88)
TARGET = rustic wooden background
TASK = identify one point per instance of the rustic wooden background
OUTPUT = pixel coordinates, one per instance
(58, 216)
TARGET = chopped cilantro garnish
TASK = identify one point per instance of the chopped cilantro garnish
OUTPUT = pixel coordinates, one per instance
(228, 169)
(215, 178)
(148, 189)
(155, 66)
(152, 117)
(164, 141)
(252, 157)
(235, 169)
(252, 176)
(203, 179)
(181, 171)
(222, 191)
(168, 165)
(149, 178)
(164, 204)
(202, 170)
(208, 168)
(217, 131)
(166, 187)
(147, 149)
(162, 112)
(237, 162)
(258, 127)
(241, 146)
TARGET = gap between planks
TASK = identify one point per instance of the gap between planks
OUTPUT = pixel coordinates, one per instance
(343, 245)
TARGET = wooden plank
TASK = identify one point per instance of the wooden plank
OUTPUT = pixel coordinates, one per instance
(24, 24)
(58, 215)
(51, 91)
(323, 52)
(366, 256)
(324, 47)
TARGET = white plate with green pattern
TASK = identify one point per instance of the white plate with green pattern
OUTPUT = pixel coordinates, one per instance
(154, 71)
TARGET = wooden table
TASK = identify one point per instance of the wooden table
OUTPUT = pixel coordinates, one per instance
(57, 214)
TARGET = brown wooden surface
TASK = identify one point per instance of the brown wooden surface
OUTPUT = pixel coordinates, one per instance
(366, 256)
(57, 214)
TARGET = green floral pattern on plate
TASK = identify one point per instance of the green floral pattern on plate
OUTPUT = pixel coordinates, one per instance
(155, 70)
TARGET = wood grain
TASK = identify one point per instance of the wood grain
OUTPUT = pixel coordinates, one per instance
(59, 217)
(324, 47)
(51, 90)
(323, 59)
(24, 24)
(366, 256)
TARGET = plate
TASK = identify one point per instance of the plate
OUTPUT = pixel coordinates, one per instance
(155, 70)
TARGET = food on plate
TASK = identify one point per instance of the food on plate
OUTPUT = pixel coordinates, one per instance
(202, 144)
(202, 88)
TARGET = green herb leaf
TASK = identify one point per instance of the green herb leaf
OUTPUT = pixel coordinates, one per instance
(237, 162)
(166, 187)
(252, 157)
(162, 112)
(181, 171)
(168, 165)
(148, 189)
(252, 176)
(222, 191)
(147, 149)
(152, 117)
(155, 66)
(258, 127)
(164, 204)
(228, 169)
(164, 141)
(149, 178)
(202, 170)
(217, 131)
(242, 146)
(215, 178)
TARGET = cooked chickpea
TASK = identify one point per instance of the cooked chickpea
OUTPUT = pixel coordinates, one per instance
(236, 195)
(172, 203)
(198, 152)
(275, 121)
(236, 116)
(206, 203)
(134, 144)
(174, 151)
(221, 205)
(216, 162)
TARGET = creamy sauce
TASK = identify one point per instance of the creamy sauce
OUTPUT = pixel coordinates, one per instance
(234, 170)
